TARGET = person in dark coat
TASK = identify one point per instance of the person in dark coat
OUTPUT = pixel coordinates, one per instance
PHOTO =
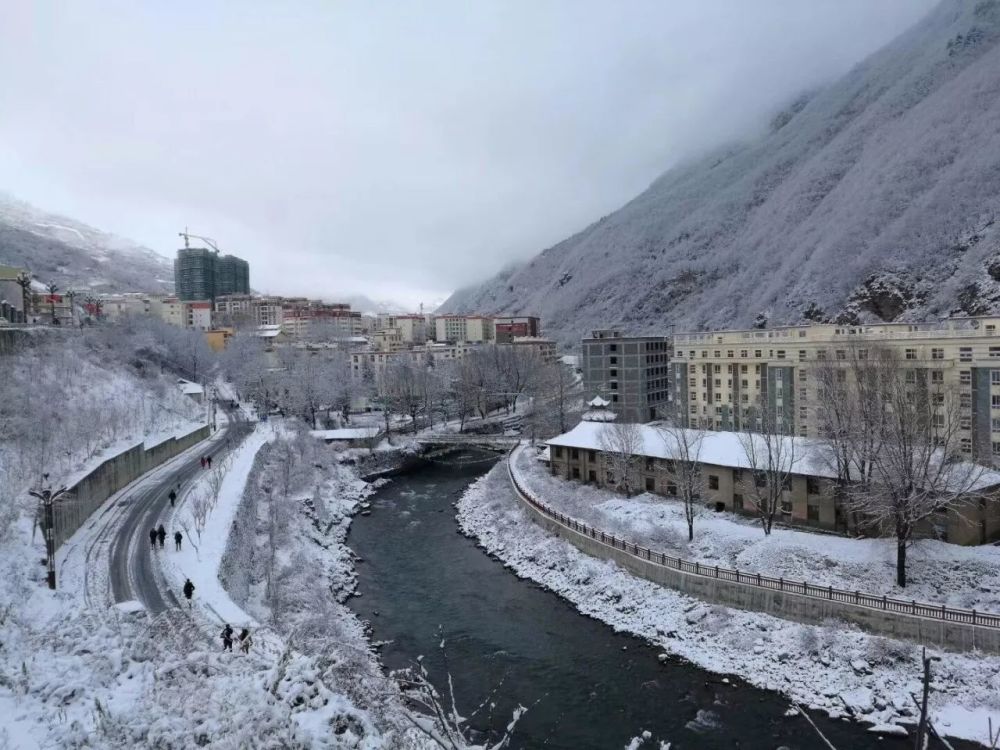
(178, 538)
(210, 462)
(152, 538)
(173, 497)
(203, 462)
(227, 638)
(161, 534)
(188, 590)
(245, 641)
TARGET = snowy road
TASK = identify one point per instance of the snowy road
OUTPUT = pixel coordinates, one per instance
(133, 573)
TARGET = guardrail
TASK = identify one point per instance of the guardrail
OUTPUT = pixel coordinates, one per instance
(802, 588)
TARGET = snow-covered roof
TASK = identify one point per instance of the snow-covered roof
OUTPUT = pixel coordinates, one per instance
(598, 402)
(190, 389)
(346, 433)
(810, 455)
(599, 415)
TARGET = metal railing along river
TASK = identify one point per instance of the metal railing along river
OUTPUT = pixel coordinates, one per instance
(802, 588)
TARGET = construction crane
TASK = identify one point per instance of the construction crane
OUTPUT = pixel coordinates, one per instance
(188, 237)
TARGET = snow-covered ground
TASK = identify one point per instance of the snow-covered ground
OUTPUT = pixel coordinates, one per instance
(938, 572)
(833, 668)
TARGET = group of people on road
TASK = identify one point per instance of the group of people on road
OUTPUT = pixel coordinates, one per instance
(206, 462)
(244, 637)
(159, 535)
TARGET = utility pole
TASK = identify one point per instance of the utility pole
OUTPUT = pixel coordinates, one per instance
(48, 498)
(924, 725)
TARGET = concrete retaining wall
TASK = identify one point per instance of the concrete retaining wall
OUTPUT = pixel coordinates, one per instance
(792, 606)
(90, 493)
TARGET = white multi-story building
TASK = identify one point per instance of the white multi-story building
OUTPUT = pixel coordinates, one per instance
(472, 329)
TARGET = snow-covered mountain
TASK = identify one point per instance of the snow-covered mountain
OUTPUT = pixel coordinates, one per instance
(76, 256)
(873, 198)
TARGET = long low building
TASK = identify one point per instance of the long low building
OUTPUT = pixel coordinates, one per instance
(809, 499)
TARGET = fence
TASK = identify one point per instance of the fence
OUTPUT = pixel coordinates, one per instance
(856, 600)
(90, 492)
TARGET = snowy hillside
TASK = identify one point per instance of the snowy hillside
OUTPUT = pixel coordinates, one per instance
(76, 256)
(874, 198)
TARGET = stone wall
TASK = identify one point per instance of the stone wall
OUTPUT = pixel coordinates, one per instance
(90, 492)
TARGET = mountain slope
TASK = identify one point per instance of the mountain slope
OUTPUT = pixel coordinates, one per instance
(873, 198)
(76, 256)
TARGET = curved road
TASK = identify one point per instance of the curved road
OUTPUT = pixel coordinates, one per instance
(132, 569)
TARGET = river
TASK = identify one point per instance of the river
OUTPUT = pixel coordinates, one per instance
(586, 686)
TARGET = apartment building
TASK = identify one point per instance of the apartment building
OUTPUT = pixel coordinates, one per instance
(457, 329)
(720, 376)
(505, 330)
(115, 306)
(169, 309)
(233, 309)
(202, 274)
(809, 498)
(545, 349)
(302, 318)
(629, 371)
(372, 362)
(198, 315)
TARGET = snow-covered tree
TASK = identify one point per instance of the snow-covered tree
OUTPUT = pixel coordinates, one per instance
(770, 453)
(621, 444)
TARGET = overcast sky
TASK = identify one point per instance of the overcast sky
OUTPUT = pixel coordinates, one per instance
(398, 150)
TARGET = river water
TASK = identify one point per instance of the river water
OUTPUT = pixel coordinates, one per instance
(586, 686)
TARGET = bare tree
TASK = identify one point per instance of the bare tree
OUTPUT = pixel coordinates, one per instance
(919, 469)
(770, 454)
(622, 444)
(684, 469)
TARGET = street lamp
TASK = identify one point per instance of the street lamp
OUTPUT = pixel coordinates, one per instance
(47, 497)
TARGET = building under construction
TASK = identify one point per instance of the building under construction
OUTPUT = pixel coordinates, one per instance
(202, 273)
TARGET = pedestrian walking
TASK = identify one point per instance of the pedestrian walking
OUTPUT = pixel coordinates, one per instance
(245, 641)
(161, 534)
(203, 462)
(178, 538)
(188, 590)
(210, 462)
(173, 497)
(152, 538)
(227, 638)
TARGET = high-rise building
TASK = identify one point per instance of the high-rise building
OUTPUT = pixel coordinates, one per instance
(201, 274)
(629, 371)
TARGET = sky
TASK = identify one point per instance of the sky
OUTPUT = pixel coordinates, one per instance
(396, 150)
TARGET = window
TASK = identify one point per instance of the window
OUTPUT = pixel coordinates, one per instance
(614, 385)
(756, 353)
(841, 354)
(994, 352)
(729, 354)
(911, 376)
(717, 353)
(995, 377)
(558, 452)
(613, 360)
(821, 354)
(965, 400)
(743, 353)
(781, 353)
(717, 370)
(575, 454)
(965, 354)
(671, 489)
(812, 512)
(803, 377)
(591, 456)
(744, 383)
(802, 353)
(812, 486)
(650, 484)
(995, 401)
(939, 420)
(713, 482)
(937, 376)
(614, 373)
(612, 347)
(576, 472)
(862, 354)
(614, 398)
(965, 377)
(966, 445)
(965, 423)
(743, 369)
(911, 354)
(760, 478)
(786, 506)
(937, 353)
(995, 424)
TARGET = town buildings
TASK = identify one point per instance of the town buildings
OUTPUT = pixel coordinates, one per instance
(472, 329)
(719, 377)
(507, 329)
(632, 372)
(809, 498)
